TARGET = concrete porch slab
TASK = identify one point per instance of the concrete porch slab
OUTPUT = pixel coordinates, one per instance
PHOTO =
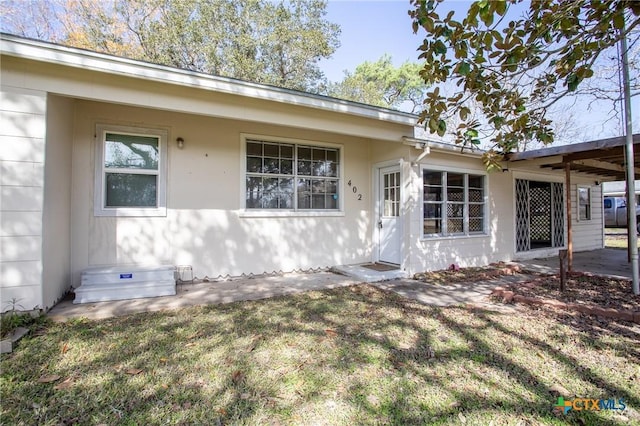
(607, 262)
(205, 293)
(366, 275)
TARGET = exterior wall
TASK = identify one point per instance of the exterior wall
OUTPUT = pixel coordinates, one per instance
(387, 154)
(429, 253)
(422, 254)
(587, 234)
(56, 229)
(433, 253)
(129, 90)
(22, 154)
(50, 209)
(205, 226)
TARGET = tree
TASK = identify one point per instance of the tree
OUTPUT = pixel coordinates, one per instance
(382, 84)
(516, 71)
(270, 42)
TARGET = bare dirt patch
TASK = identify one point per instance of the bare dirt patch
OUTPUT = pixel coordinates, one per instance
(583, 289)
(456, 275)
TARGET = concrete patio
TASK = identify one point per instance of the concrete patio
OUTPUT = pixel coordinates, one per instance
(610, 262)
(602, 262)
(204, 293)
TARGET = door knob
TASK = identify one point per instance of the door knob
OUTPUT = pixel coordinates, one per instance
(380, 224)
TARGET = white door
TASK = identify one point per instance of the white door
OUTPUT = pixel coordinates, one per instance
(389, 215)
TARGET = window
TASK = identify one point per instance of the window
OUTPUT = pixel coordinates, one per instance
(130, 171)
(454, 203)
(607, 203)
(291, 176)
(584, 203)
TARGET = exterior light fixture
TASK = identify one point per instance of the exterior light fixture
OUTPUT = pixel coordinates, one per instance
(180, 142)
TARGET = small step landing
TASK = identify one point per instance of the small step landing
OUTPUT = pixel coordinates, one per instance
(370, 274)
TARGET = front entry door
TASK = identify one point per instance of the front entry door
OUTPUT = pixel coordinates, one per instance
(389, 215)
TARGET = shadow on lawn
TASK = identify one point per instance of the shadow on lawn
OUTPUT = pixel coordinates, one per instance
(353, 355)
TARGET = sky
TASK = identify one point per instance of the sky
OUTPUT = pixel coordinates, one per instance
(372, 28)
(369, 30)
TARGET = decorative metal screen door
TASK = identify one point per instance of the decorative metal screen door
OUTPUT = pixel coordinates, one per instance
(539, 215)
(523, 242)
(389, 211)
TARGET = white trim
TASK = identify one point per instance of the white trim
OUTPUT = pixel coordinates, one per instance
(437, 237)
(94, 61)
(266, 213)
(588, 188)
(262, 213)
(375, 207)
(486, 222)
(538, 177)
(539, 252)
(444, 147)
(377, 169)
(99, 208)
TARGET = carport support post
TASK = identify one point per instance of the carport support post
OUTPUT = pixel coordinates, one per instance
(567, 172)
(632, 225)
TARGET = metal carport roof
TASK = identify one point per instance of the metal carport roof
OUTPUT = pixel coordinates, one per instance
(604, 158)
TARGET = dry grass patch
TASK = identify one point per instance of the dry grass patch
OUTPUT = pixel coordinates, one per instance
(616, 238)
(355, 355)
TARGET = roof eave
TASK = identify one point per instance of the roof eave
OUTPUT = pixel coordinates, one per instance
(100, 62)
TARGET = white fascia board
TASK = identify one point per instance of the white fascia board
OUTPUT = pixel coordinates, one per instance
(443, 147)
(93, 61)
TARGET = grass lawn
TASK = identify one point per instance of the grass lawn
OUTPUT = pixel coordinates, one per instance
(615, 238)
(355, 355)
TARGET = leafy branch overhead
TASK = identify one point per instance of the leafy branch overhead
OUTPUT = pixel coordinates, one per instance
(273, 42)
(514, 70)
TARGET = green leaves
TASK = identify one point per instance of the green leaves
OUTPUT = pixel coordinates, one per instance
(508, 72)
(464, 68)
(442, 127)
(572, 82)
(439, 48)
(471, 136)
(272, 42)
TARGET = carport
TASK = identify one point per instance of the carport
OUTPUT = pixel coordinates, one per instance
(605, 159)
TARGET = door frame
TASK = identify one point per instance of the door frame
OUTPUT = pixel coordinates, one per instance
(539, 252)
(375, 233)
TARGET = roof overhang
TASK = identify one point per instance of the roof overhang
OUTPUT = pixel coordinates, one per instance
(420, 143)
(79, 58)
(604, 158)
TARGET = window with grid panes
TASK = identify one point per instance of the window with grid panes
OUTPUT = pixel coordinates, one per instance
(453, 203)
(584, 203)
(130, 171)
(289, 176)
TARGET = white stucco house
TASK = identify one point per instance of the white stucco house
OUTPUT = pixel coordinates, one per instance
(108, 161)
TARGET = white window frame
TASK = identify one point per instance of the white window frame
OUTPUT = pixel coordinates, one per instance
(99, 205)
(589, 205)
(245, 212)
(466, 234)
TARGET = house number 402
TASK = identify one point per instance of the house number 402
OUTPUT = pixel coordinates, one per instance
(354, 189)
